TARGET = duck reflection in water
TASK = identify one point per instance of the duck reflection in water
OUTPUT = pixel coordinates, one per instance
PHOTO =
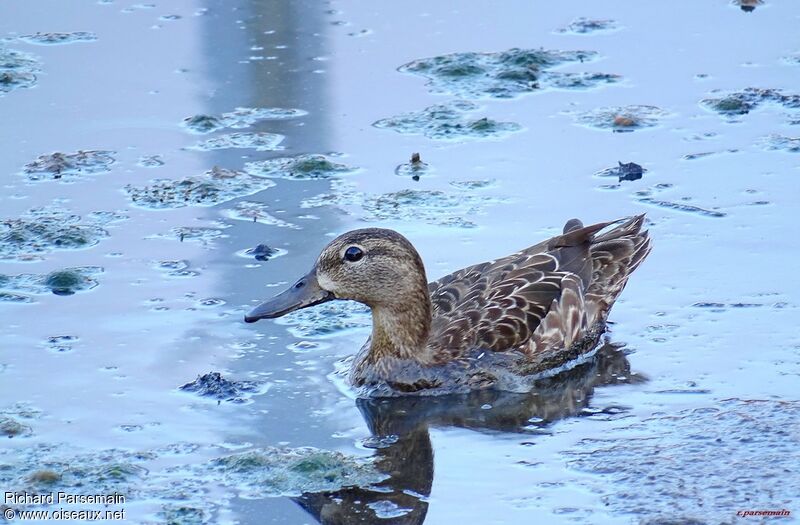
(399, 428)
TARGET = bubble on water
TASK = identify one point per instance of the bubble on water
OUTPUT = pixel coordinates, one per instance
(327, 319)
(430, 206)
(59, 38)
(738, 103)
(66, 166)
(622, 118)
(504, 74)
(586, 26)
(42, 230)
(256, 212)
(706, 458)
(448, 122)
(17, 70)
(213, 187)
(300, 167)
(778, 142)
(239, 118)
(259, 141)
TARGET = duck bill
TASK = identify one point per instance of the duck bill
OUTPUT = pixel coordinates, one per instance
(302, 294)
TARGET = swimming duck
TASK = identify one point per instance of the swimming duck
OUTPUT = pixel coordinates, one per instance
(499, 324)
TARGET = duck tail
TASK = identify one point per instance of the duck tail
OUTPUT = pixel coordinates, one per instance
(615, 255)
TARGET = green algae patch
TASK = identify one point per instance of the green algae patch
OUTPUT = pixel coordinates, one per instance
(738, 103)
(504, 74)
(213, 187)
(17, 70)
(67, 281)
(587, 26)
(622, 118)
(66, 166)
(448, 122)
(257, 140)
(11, 428)
(46, 229)
(300, 167)
(238, 118)
(776, 142)
(273, 471)
(53, 39)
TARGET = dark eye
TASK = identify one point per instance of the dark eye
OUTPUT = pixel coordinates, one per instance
(353, 254)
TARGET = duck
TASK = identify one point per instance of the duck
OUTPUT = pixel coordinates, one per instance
(501, 324)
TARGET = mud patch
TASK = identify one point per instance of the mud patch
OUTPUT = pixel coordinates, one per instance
(53, 39)
(256, 212)
(43, 230)
(215, 386)
(17, 70)
(60, 282)
(213, 187)
(238, 118)
(259, 141)
(448, 122)
(300, 167)
(700, 465)
(66, 166)
(430, 206)
(586, 26)
(504, 74)
(622, 118)
(291, 472)
(327, 319)
(740, 103)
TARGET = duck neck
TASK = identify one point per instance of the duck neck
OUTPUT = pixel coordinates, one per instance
(401, 330)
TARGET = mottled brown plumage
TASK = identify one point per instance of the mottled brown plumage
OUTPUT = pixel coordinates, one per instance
(489, 325)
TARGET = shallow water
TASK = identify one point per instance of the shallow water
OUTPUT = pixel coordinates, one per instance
(162, 116)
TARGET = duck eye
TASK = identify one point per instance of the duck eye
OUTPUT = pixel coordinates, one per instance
(353, 254)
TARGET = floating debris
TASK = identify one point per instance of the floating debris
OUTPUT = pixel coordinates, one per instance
(213, 187)
(59, 165)
(622, 119)
(782, 143)
(42, 230)
(585, 26)
(259, 141)
(504, 74)
(748, 6)
(150, 161)
(448, 122)
(273, 471)
(629, 171)
(300, 167)
(214, 385)
(256, 212)
(326, 319)
(51, 39)
(60, 282)
(60, 343)
(17, 70)
(742, 102)
(262, 252)
(696, 465)
(239, 118)
(415, 168)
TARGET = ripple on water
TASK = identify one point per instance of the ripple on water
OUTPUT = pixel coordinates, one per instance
(504, 74)
(701, 464)
(238, 118)
(17, 70)
(66, 166)
(622, 118)
(300, 167)
(50, 39)
(42, 230)
(430, 206)
(448, 122)
(213, 187)
(587, 26)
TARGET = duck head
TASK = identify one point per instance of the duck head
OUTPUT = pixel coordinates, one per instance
(374, 266)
